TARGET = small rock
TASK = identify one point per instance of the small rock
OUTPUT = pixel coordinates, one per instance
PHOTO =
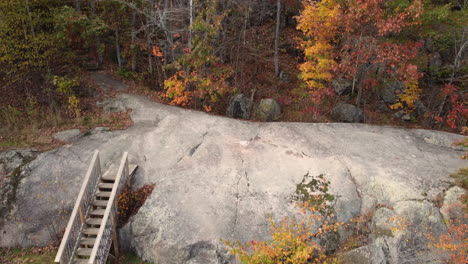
(348, 113)
(390, 91)
(68, 136)
(113, 105)
(421, 109)
(361, 255)
(382, 107)
(342, 86)
(399, 114)
(406, 117)
(239, 107)
(284, 77)
(97, 130)
(268, 110)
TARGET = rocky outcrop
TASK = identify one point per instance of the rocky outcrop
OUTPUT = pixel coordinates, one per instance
(391, 90)
(239, 107)
(68, 136)
(218, 178)
(268, 110)
(12, 166)
(347, 113)
(342, 86)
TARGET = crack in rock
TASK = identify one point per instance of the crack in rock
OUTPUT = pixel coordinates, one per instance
(353, 180)
(238, 195)
(193, 149)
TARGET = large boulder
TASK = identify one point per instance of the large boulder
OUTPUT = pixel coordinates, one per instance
(268, 110)
(342, 86)
(391, 90)
(68, 136)
(239, 107)
(347, 113)
(219, 179)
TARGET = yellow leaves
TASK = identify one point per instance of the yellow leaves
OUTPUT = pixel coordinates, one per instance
(318, 23)
(413, 92)
(295, 240)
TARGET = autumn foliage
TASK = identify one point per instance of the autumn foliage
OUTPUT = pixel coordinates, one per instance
(343, 38)
(200, 78)
(296, 240)
(129, 202)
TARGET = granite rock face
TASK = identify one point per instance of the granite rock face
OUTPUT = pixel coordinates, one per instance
(218, 178)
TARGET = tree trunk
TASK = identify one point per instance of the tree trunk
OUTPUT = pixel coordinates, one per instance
(78, 5)
(169, 53)
(150, 57)
(277, 32)
(133, 39)
(359, 95)
(31, 26)
(246, 20)
(190, 26)
(117, 48)
(97, 41)
(456, 64)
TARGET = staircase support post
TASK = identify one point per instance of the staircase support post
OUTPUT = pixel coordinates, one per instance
(114, 237)
(81, 216)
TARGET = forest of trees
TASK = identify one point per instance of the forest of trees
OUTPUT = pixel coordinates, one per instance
(199, 53)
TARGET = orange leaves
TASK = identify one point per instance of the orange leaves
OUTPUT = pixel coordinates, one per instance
(295, 240)
(176, 89)
(156, 51)
(344, 36)
(454, 242)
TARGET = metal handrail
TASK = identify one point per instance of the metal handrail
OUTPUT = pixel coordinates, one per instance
(80, 210)
(103, 240)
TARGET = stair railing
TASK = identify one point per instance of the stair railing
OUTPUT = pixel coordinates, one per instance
(82, 207)
(107, 231)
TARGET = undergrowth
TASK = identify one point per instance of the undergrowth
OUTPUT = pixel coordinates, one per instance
(129, 202)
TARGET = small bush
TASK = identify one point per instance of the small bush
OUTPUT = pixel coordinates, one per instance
(129, 202)
(296, 241)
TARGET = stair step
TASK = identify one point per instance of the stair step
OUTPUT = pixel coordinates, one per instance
(87, 241)
(103, 194)
(81, 261)
(111, 174)
(94, 221)
(84, 252)
(91, 231)
(105, 185)
(98, 212)
(102, 203)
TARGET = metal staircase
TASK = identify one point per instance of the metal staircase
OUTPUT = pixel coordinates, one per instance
(93, 222)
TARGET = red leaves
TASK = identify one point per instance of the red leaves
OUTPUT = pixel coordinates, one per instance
(457, 109)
